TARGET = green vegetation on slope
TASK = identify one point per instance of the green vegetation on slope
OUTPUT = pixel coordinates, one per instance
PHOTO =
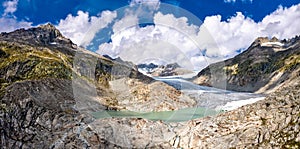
(26, 62)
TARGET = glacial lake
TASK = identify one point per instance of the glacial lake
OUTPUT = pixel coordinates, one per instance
(167, 116)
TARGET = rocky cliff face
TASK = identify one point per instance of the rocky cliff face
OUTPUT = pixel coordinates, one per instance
(262, 68)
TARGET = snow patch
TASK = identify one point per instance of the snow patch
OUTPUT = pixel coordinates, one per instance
(144, 72)
(236, 104)
(53, 43)
(271, 44)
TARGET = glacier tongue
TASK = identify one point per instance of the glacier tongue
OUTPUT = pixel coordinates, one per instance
(210, 97)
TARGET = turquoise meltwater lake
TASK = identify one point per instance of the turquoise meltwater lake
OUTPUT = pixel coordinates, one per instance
(167, 116)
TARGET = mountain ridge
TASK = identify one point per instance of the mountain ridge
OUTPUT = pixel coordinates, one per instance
(264, 66)
(170, 69)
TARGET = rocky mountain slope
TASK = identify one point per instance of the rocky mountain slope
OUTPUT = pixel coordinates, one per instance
(48, 86)
(42, 52)
(262, 68)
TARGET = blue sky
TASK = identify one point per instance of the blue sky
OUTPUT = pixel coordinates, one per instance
(228, 26)
(38, 11)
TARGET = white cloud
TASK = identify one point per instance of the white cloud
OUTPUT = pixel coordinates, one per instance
(169, 40)
(82, 28)
(10, 7)
(150, 42)
(8, 21)
(229, 1)
(11, 24)
(239, 32)
(126, 22)
(143, 8)
(148, 2)
(228, 36)
(283, 23)
(180, 24)
(233, 1)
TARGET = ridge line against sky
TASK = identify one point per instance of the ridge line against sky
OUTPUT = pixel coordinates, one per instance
(231, 32)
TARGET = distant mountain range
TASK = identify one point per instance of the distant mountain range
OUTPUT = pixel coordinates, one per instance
(155, 70)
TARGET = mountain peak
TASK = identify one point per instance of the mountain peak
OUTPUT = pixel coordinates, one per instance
(51, 30)
(266, 39)
(47, 26)
(261, 39)
(46, 34)
(268, 42)
(274, 39)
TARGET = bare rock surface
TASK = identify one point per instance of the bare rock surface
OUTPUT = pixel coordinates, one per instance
(273, 122)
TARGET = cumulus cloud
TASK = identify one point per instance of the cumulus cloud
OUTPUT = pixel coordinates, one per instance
(196, 46)
(169, 40)
(11, 24)
(10, 7)
(283, 23)
(82, 28)
(239, 31)
(228, 36)
(8, 21)
(126, 22)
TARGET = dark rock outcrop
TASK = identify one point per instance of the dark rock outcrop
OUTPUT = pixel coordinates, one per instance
(148, 67)
(41, 114)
